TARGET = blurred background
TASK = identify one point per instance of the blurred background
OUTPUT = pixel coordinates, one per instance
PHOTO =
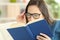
(10, 9)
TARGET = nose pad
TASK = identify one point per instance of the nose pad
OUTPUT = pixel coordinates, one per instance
(32, 19)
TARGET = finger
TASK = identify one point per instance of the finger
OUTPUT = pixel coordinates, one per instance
(44, 35)
(43, 38)
(21, 18)
(22, 13)
(24, 19)
(38, 37)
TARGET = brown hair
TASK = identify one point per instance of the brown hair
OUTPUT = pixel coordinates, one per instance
(42, 7)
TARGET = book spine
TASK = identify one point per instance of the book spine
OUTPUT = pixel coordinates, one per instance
(29, 31)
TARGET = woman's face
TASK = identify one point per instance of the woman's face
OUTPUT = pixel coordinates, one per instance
(33, 13)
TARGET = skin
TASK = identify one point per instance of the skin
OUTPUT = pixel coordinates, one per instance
(33, 9)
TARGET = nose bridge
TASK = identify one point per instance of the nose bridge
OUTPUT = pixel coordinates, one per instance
(32, 18)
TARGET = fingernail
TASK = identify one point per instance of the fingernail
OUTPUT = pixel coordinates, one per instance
(38, 37)
(41, 33)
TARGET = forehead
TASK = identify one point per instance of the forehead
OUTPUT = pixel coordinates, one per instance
(33, 9)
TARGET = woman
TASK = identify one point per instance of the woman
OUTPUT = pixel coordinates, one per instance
(37, 9)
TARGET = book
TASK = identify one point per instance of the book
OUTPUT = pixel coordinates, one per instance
(31, 30)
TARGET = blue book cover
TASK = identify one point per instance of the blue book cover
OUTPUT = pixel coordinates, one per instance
(40, 27)
(30, 31)
(20, 33)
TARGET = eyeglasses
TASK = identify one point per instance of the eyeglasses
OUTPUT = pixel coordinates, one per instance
(34, 15)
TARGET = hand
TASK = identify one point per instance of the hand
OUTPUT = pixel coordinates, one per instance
(43, 38)
(21, 18)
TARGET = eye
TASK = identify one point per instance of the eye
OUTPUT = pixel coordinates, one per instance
(36, 15)
(28, 15)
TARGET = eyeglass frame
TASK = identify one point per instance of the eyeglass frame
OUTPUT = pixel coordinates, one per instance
(33, 15)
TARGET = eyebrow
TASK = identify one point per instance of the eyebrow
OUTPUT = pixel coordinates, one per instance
(33, 13)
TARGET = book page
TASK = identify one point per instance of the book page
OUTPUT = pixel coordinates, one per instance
(15, 25)
(4, 35)
(34, 21)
